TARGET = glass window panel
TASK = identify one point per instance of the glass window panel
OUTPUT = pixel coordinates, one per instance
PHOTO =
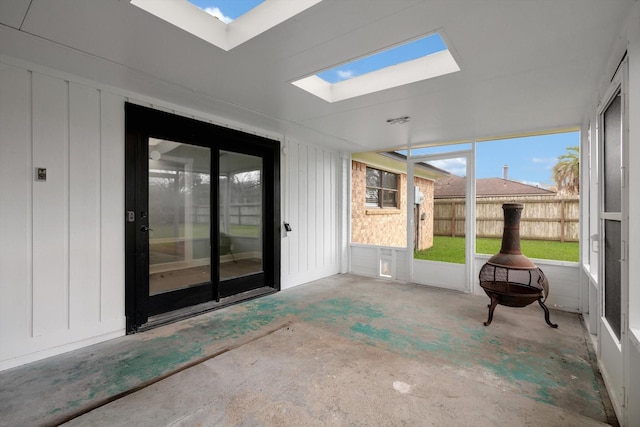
(179, 216)
(373, 197)
(389, 199)
(612, 274)
(389, 180)
(241, 215)
(373, 178)
(612, 155)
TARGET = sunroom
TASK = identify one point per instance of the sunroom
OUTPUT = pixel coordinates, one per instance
(157, 161)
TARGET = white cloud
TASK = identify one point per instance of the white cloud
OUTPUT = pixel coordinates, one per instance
(346, 74)
(456, 166)
(217, 13)
(548, 162)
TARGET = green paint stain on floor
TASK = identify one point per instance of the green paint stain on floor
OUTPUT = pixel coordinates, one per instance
(518, 372)
(152, 358)
(589, 396)
(336, 310)
(363, 321)
(128, 369)
(443, 345)
(520, 366)
(525, 368)
(476, 334)
(161, 355)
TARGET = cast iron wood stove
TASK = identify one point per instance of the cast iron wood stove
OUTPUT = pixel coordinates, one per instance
(510, 278)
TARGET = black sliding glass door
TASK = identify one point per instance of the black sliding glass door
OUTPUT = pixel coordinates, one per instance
(202, 214)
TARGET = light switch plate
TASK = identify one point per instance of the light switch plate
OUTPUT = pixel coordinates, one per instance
(41, 174)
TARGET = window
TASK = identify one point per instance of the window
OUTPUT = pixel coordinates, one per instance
(235, 24)
(382, 189)
(415, 49)
(405, 63)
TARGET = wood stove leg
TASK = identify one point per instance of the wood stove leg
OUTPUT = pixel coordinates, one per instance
(546, 314)
(492, 306)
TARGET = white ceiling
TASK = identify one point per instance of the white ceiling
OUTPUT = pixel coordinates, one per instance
(526, 65)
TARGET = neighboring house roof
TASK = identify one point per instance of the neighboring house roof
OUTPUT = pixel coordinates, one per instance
(454, 186)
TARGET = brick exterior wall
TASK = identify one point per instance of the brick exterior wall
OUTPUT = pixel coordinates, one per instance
(388, 226)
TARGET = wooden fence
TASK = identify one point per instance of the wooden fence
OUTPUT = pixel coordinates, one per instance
(543, 217)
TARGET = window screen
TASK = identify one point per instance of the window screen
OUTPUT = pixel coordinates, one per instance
(612, 275)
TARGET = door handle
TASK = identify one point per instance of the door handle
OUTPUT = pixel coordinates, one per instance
(145, 228)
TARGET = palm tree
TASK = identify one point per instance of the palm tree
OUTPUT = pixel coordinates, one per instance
(566, 173)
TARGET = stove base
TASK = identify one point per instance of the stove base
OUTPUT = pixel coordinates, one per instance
(496, 299)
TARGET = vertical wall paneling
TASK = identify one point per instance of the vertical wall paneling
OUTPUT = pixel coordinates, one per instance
(312, 207)
(112, 207)
(285, 246)
(50, 150)
(316, 202)
(61, 239)
(303, 208)
(322, 225)
(345, 210)
(328, 207)
(339, 239)
(15, 208)
(84, 204)
(293, 214)
(312, 210)
(320, 203)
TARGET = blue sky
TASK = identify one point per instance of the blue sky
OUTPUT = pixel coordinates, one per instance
(406, 52)
(530, 159)
(226, 10)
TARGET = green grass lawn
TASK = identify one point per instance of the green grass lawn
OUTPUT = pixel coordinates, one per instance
(451, 249)
(244, 230)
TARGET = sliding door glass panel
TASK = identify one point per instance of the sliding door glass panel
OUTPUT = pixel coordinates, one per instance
(241, 215)
(179, 216)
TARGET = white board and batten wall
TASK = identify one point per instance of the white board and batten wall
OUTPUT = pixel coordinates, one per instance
(312, 201)
(62, 240)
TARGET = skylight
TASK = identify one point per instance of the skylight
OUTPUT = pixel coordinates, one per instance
(225, 23)
(420, 59)
(226, 10)
(387, 58)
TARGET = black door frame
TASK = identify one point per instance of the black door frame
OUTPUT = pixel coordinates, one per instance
(141, 123)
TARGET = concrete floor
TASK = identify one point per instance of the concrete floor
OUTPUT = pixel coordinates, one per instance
(345, 350)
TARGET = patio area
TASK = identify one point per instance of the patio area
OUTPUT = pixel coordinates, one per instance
(344, 350)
